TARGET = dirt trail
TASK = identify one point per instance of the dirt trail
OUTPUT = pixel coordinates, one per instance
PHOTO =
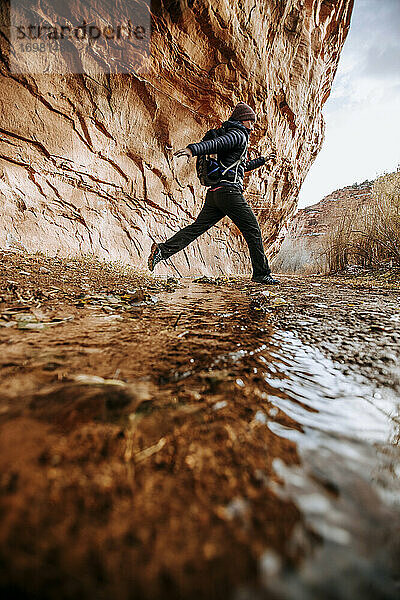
(156, 479)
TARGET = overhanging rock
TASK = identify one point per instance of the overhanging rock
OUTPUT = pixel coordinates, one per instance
(86, 156)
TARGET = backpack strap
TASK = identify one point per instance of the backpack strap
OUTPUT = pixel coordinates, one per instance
(235, 164)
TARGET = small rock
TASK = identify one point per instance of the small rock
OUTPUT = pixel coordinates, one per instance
(219, 405)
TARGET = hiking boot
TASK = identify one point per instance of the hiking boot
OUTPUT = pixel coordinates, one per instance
(266, 279)
(154, 257)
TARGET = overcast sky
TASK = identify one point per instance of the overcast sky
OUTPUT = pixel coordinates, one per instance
(362, 115)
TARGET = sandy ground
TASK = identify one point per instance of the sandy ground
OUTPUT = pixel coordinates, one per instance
(133, 463)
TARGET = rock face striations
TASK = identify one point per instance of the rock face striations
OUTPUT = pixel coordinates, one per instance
(86, 153)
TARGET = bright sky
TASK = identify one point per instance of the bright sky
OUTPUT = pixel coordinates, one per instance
(362, 115)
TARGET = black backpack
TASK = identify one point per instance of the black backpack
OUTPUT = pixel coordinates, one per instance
(209, 170)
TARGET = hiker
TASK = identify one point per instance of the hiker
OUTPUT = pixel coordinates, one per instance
(224, 198)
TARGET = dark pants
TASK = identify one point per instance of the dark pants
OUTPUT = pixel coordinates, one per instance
(221, 202)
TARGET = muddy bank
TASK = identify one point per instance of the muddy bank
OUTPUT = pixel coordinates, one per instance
(147, 428)
(152, 483)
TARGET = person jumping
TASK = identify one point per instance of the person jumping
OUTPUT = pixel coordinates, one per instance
(225, 198)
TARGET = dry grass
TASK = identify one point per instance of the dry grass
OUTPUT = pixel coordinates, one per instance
(371, 237)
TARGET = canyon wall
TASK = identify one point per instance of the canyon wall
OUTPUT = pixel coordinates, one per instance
(303, 241)
(86, 160)
(322, 217)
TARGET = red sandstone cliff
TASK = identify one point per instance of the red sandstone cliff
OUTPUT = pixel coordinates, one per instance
(322, 217)
(302, 242)
(86, 161)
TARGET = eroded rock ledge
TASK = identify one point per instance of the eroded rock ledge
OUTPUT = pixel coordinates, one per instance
(86, 162)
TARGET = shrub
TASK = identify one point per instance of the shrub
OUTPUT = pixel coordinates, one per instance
(371, 236)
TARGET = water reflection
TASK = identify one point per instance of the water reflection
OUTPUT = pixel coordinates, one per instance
(346, 430)
(347, 486)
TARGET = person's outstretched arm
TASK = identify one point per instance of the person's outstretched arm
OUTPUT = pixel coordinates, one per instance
(229, 140)
(254, 163)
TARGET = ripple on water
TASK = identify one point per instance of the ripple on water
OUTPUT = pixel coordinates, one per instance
(347, 486)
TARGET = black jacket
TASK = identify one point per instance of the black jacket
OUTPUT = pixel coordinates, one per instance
(229, 147)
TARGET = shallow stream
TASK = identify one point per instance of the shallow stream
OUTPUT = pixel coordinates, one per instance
(347, 487)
